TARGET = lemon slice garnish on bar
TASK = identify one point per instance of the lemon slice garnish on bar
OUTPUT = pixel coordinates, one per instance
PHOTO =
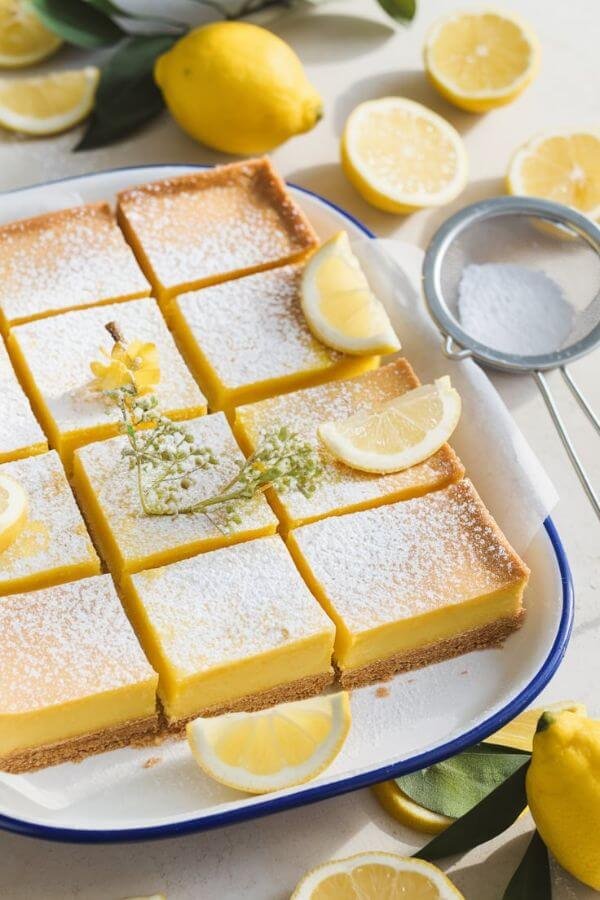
(398, 434)
(272, 749)
(14, 509)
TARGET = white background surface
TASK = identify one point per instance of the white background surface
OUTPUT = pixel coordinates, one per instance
(352, 54)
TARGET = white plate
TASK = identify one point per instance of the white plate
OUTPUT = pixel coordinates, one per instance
(424, 717)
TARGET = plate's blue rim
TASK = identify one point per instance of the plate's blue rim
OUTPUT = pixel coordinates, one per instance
(344, 785)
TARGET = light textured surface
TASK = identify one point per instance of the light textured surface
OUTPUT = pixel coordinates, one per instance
(64, 643)
(72, 258)
(20, 427)
(352, 54)
(408, 559)
(58, 351)
(230, 604)
(54, 534)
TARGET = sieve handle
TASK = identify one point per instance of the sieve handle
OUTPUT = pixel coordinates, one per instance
(453, 350)
(568, 444)
(585, 406)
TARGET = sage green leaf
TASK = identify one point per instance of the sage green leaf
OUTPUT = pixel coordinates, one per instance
(489, 818)
(532, 876)
(127, 96)
(400, 10)
(456, 785)
(78, 22)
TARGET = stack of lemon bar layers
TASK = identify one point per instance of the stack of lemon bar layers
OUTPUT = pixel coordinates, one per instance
(116, 625)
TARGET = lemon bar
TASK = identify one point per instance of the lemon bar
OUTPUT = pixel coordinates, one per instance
(129, 539)
(248, 339)
(412, 583)
(20, 434)
(53, 545)
(73, 677)
(233, 629)
(212, 225)
(343, 489)
(63, 260)
(54, 355)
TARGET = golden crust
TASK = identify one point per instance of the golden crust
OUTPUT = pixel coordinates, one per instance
(101, 210)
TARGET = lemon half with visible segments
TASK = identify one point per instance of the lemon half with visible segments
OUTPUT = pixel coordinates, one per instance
(400, 433)
(24, 39)
(14, 510)
(48, 104)
(376, 876)
(340, 307)
(563, 166)
(275, 748)
(481, 59)
(401, 156)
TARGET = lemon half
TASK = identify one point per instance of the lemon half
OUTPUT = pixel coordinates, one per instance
(48, 104)
(14, 509)
(24, 39)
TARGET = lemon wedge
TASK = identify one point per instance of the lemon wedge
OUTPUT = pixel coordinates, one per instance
(563, 166)
(24, 39)
(479, 60)
(398, 434)
(338, 304)
(48, 104)
(400, 806)
(14, 508)
(374, 876)
(272, 749)
(401, 156)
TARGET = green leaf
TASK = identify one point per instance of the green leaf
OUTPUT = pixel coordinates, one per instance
(489, 818)
(455, 786)
(78, 22)
(400, 10)
(111, 9)
(532, 876)
(127, 96)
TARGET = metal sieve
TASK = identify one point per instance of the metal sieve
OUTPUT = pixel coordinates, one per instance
(498, 267)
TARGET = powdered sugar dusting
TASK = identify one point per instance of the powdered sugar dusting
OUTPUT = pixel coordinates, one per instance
(65, 643)
(253, 329)
(303, 411)
(75, 257)
(230, 604)
(58, 351)
(20, 428)
(410, 558)
(215, 223)
(140, 536)
(54, 534)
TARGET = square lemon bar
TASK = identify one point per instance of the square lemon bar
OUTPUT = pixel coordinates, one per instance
(248, 339)
(220, 223)
(130, 540)
(73, 677)
(54, 356)
(229, 630)
(20, 434)
(63, 260)
(53, 545)
(412, 583)
(343, 489)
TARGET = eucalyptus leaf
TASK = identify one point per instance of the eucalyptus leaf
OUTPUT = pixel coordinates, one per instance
(532, 876)
(127, 96)
(489, 818)
(78, 23)
(456, 785)
(400, 10)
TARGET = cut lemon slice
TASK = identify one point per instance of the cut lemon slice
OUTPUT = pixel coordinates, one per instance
(564, 166)
(14, 507)
(400, 806)
(519, 733)
(339, 306)
(401, 156)
(48, 104)
(481, 59)
(376, 876)
(24, 40)
(400, 433)
(275, 748)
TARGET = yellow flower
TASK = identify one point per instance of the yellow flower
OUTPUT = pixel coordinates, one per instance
(133, 364)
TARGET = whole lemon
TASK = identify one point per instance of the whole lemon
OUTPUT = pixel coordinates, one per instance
(563, 791)
(237, 88)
